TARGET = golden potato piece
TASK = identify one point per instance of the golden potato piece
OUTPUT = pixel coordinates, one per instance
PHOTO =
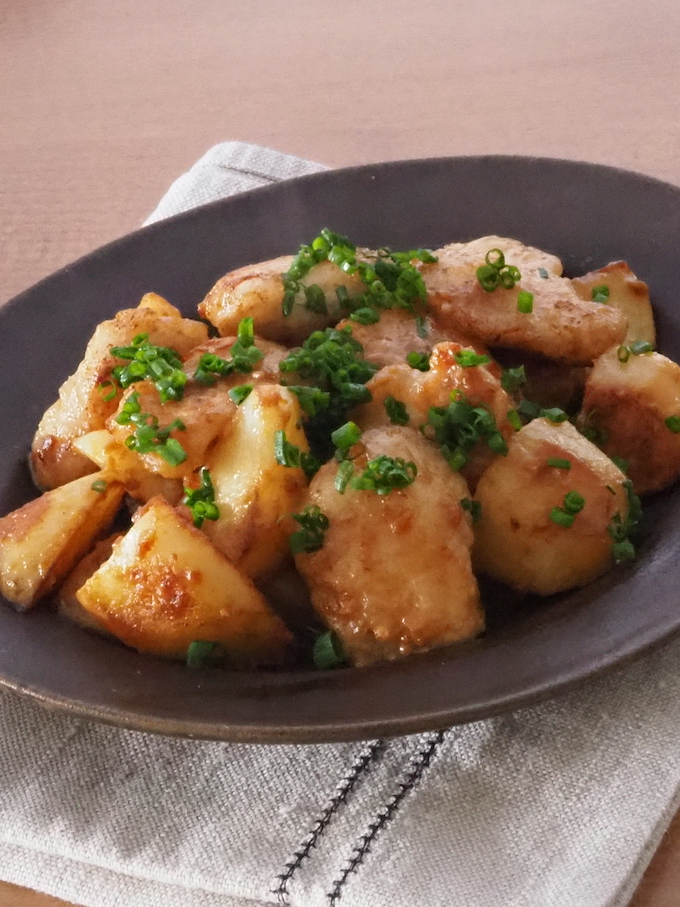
(517, 542)
(397, 334)
(68, 605)
(128, 467)
(626, 293)
(165, 586)
(419, 391)
(42, 541)
(627, 404)
(394, 574)
(455, 260)
(253, 492)
(257, 291)
(205, 412)
(560, 326)
(81, 406)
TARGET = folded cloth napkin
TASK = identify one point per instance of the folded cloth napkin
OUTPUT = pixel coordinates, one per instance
(560, 805)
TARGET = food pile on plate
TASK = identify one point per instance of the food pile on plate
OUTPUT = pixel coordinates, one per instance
(375, 429)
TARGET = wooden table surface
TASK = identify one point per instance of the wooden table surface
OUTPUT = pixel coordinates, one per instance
(105, 102)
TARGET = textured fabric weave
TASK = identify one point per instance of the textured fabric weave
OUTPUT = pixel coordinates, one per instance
(560, 805)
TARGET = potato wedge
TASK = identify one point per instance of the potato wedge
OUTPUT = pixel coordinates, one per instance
(419, 391)
(627, 405)
(253, 492)
(81, 406)
(560, 326)
(42, 541)
(68, 605)
(165, 586)
(205, 412)
(126, 466)
(257, 291)
(397, 334)
(626, 293)
(517, 542)
(394, 573)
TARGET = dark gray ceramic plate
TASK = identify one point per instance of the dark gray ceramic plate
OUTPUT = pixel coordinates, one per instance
(588, 215)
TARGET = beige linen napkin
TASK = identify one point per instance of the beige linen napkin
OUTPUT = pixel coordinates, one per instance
(559, 805)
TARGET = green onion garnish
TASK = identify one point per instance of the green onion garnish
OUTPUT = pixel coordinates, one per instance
(513, 378)
(623, 353)
(201, 500)
(244, 356)
(559, 463)
(514, 419)
(313, 527)
(107, 389)
(239, 393)
(496, 273)
(290, 455)
(639, 347)
(344, 474)
(543, 273)
(474, 508)
(600, 293)
(396, 411)
(420, 361)
(327, 652)
(525, 302)
(99, 486)
(554, 414)
(344, 437)
(468, 358)
(198, 653)
(672, 423)
(561, 517)
(385, 474)
(159, 364)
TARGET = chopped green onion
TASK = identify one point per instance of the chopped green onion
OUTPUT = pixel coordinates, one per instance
(148, 436)
(396, 411)
(561, 517)
(525, 302)
(290, 455)
(108, 391)
(385, 474)
(201, 500)
(554, 414)
(623, 353)
(239, 393)
(495, 272)
(99, 486)
(313, 527)
(245, 332)
(468, 358)
(244, 356)
(346, 436)
(198, 653)
(474, 508)
(514, 419)
(420, 361)
(488, 278)
(513, 378)
(159, 364)
(559, 462)
(421, 327)
(600, 293)
(543, 273)
(365, 316)
(573, 502)
(672, 423)
(344, 474)
(639, 347)
(327, 652)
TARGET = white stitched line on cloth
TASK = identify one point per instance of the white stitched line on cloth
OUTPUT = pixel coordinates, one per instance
(415, 770)
(368, 755)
